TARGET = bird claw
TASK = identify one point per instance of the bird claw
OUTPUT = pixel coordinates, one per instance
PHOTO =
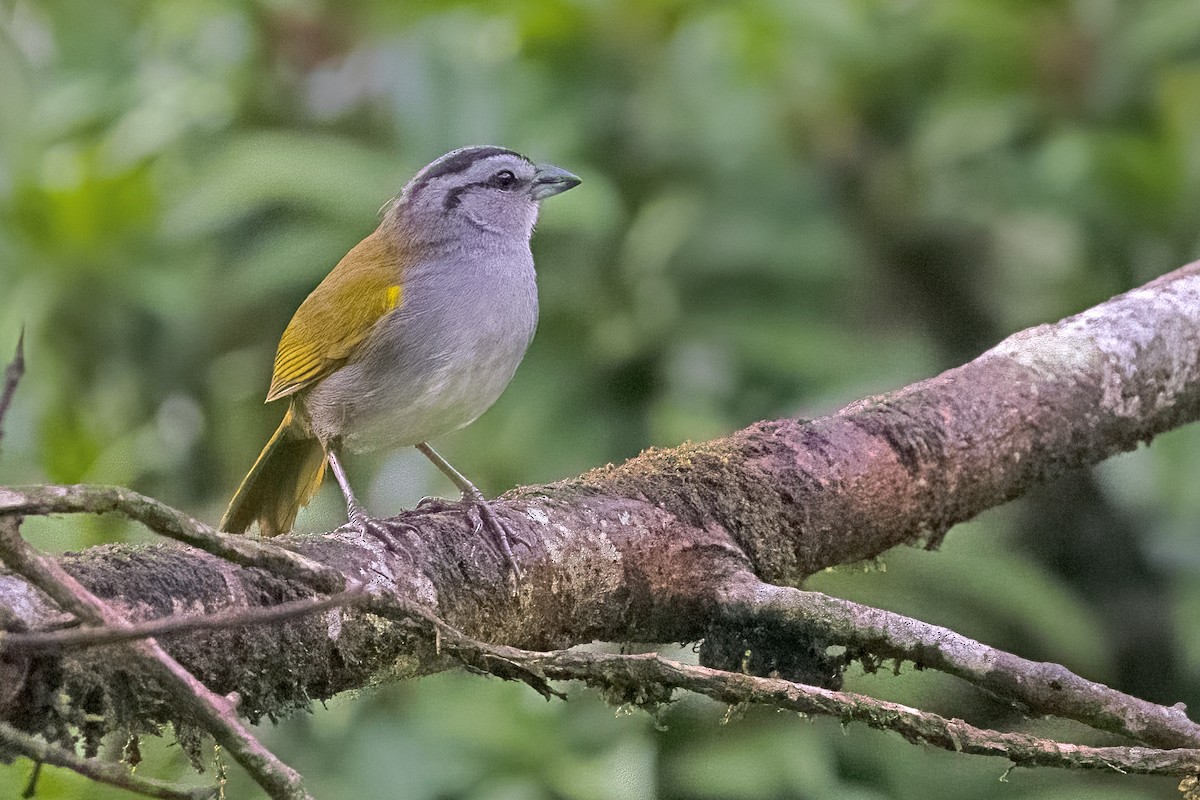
(367, 526)
(480, 514)
(434, 505)
(473, 516)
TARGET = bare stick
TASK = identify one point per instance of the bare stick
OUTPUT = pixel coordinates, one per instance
(1046, 688)
(215, 712)
(43, 641)
(169, 522)
(623, 672)
(12, 377)
(642, 677)
(94, 769)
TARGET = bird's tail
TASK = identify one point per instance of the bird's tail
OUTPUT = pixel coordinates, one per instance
(286, 475)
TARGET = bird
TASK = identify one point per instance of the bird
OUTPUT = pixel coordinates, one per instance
(413, 334)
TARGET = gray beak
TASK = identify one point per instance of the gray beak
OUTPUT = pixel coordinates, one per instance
(549, 180)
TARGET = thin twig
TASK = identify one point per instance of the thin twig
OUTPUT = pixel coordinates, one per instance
(1045, 688)
(626, 673)
(94, 769)
(172, 523)
(12, 376)
(42, 641)
(642, 678)
(216, 713)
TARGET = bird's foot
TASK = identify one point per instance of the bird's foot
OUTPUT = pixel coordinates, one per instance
(480, 514)
(367, 525)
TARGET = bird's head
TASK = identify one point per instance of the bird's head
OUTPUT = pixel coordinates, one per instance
(484, 189)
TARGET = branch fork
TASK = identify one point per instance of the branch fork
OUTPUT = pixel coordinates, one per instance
(669, 546)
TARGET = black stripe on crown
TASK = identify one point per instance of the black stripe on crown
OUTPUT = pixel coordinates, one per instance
(458, 161)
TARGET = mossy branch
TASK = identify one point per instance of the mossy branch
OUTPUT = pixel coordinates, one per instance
(669, 546)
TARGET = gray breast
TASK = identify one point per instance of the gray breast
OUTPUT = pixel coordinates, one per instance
(439, 360)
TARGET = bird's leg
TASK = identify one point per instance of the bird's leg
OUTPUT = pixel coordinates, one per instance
(479, 513)
(358, 515)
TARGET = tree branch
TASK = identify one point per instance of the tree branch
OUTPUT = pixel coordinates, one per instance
(902, 468)
(50, 641)
(215, 712)
(646, 679)
(654, 549)
(118, 775)
(171, 523)
(1045, 688)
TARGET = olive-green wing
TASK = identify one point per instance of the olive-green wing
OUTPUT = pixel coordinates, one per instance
(338, 315)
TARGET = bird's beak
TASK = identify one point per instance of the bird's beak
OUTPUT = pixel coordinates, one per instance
(549, 180)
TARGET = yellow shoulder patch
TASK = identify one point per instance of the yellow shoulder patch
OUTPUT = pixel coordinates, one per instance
(339, 314)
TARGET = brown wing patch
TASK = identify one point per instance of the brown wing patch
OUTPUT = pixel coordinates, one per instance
(338, 315)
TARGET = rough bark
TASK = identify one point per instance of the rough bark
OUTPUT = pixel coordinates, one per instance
(650, 550)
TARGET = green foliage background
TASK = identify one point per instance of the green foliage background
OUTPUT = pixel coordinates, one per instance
(787, 205)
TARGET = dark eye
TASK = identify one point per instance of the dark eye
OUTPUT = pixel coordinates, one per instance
(504, 179)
